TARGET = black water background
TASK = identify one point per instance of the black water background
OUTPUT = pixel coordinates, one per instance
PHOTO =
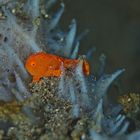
(114, 30)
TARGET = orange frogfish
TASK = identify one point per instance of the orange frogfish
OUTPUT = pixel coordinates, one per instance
(42, 64)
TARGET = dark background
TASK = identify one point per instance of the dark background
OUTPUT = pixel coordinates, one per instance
(114, 30)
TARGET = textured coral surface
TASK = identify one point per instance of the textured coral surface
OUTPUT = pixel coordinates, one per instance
(73, 106)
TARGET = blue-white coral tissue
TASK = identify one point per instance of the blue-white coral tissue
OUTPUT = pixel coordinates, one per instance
(28, 26)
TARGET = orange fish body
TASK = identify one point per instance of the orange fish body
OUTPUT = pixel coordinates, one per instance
(44, 65)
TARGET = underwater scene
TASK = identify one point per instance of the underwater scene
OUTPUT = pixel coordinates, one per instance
(69, 70)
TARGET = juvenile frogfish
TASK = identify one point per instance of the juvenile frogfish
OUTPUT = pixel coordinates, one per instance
(42, 64)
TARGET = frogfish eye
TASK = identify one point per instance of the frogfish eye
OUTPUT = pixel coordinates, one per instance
(33, 64)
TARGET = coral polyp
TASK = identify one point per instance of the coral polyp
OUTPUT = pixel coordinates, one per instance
(73, 106)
